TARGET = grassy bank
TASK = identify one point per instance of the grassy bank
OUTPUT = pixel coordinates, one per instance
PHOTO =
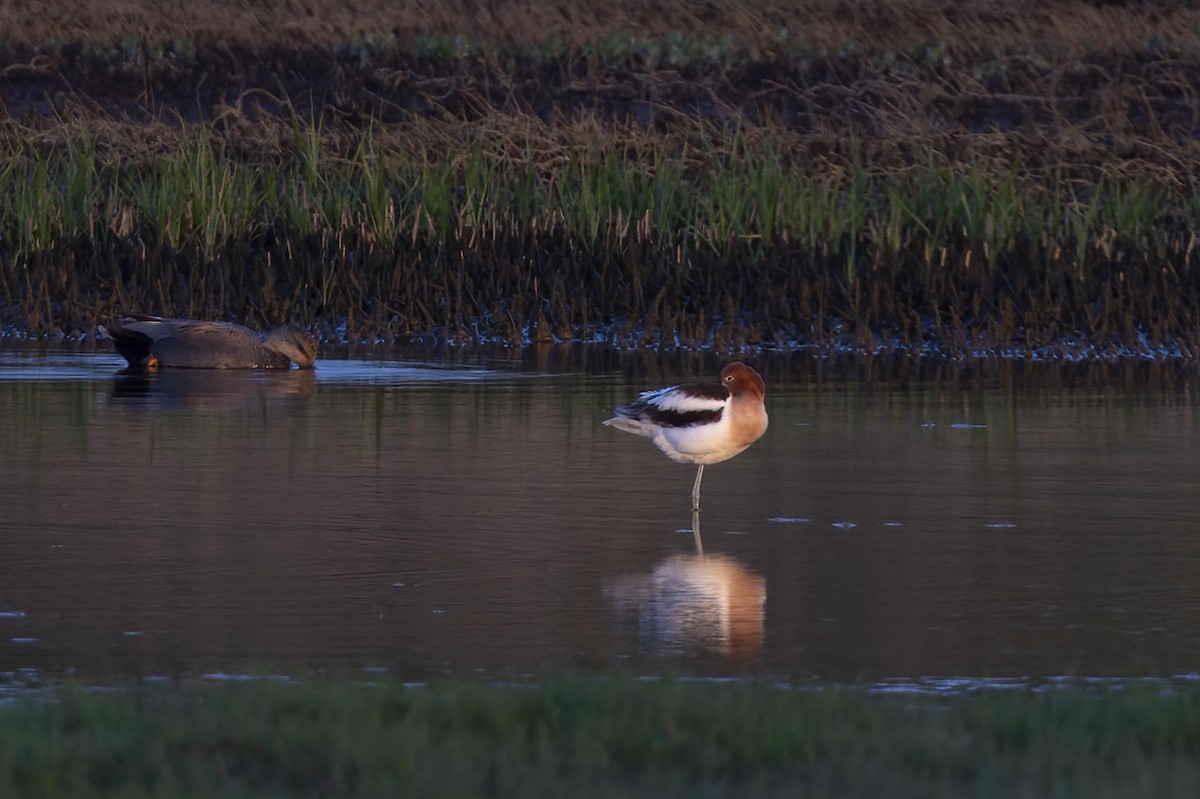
(596, 738)
(728, 240)
(996, 179)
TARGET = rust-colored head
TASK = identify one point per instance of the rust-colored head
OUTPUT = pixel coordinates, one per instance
(740, 378)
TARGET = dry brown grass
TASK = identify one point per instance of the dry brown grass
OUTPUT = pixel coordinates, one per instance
(1071, 27)
(1064, 83)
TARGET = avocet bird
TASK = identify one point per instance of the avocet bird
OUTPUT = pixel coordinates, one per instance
(700, 424)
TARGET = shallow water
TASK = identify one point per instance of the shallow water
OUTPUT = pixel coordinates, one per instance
(467, 515)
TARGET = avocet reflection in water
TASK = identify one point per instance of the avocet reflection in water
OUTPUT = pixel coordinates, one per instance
(695, 602)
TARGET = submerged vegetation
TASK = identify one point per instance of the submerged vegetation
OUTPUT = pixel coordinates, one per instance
(597, 738)
(900, 175)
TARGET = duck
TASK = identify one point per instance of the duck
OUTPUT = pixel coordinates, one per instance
(149, 342)
(700, 423)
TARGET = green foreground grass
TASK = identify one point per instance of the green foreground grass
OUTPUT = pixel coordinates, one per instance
(597, 738)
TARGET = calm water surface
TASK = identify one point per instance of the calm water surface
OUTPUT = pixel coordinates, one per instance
(469, 516)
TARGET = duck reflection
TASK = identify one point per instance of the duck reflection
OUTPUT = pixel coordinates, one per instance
(695, 602)
(213, 389)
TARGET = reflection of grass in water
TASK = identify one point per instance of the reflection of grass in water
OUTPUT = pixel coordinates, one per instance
(597, 738)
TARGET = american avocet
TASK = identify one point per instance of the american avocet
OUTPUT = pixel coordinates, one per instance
(148, 341)
(700, 424)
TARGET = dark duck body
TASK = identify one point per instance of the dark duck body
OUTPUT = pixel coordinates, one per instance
(148, 342)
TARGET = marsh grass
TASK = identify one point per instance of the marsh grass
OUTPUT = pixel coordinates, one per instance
(736, 240)
(886, 178)
(596, 738)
